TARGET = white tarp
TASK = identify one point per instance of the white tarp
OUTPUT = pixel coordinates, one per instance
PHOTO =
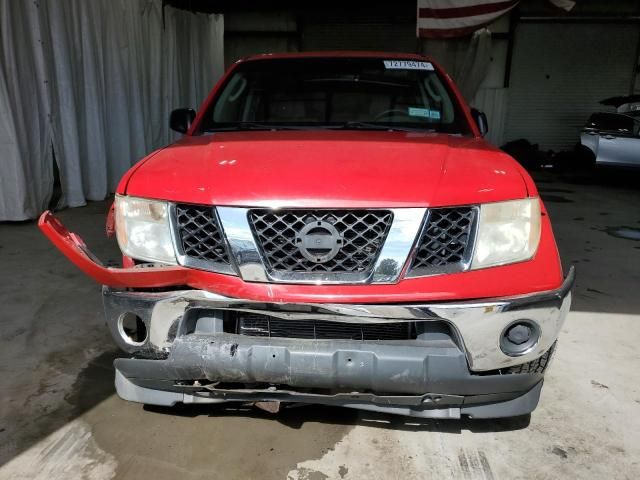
(93, 81)
(466, 59)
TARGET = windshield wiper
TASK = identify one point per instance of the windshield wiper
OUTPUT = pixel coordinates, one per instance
(378, 126)
(351, 125)
(253, 126)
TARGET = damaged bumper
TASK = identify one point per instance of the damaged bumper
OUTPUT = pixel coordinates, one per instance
(407, 356)
(429, 405)
(196, 349)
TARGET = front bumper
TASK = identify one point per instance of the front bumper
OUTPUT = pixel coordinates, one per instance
(443, 373)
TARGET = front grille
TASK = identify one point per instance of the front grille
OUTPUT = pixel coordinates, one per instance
(362, 235)
(257, 325)
(200, 234)
(446, 242)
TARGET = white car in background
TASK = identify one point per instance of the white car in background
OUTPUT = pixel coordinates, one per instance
(614, 138)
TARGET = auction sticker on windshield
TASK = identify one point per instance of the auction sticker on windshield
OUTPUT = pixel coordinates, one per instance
(407, 65)
(424, 113)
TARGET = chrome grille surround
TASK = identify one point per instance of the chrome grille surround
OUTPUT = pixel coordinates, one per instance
(361, 234)
(446, 242)
(198, 238)
(388, 268)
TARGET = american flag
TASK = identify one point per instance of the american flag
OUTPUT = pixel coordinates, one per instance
(456, 18)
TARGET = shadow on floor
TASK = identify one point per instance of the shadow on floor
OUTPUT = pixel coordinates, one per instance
(93, 385)
(295, 416)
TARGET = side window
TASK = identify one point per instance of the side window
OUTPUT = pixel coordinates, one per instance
(229, 107)
(439, 99)
(612, 123)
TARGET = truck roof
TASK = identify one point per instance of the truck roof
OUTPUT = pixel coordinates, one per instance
(337, 54)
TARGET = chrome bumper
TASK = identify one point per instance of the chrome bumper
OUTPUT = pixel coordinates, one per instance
(477, 324)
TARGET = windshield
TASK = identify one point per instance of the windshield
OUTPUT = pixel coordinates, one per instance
(613, 123)
(344, 93)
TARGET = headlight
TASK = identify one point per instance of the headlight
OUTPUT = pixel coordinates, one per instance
(142, 229)
(508, 232)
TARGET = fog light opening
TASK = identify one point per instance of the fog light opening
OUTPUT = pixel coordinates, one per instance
(132, 329)
(519, 338)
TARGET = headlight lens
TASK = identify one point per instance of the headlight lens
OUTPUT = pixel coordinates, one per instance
(508, 232)
(142, 229)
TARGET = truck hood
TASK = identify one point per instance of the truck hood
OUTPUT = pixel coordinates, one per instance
(353, 169)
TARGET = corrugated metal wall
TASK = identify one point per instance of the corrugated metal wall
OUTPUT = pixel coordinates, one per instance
(251, 32)
(375, 36)
(317, 28)
(560, 72)
(380, 26)
(636, 85)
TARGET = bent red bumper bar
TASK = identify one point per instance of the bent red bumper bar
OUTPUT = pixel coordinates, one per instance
(75, 250)
(541, 274)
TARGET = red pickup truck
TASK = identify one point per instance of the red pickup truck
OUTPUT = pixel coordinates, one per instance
(331, 229)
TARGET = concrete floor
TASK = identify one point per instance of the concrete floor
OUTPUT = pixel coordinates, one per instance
(60, 418)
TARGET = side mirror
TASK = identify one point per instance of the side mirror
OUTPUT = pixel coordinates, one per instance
(181, 119)
(481, 121)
